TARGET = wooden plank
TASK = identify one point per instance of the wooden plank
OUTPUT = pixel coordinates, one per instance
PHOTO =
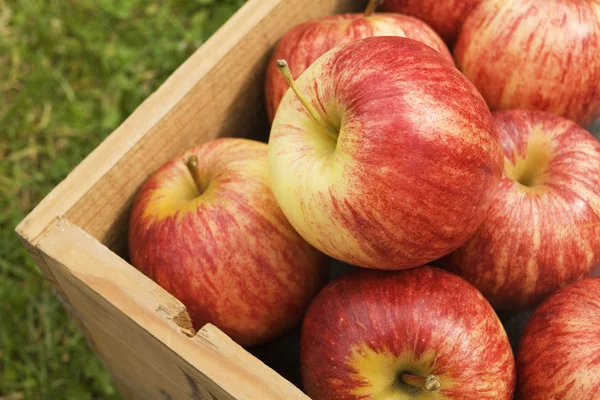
(131, 323)
(216, 92)
(226, 100)
(48, 274)
(137, 328)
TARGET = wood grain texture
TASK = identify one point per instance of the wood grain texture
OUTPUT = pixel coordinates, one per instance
(49, 275)
(218, 91)
(130, 322)
(141, 332)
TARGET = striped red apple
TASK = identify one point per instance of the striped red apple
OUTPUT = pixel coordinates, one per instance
(542, 230)
(421, 333)
(535, 54)
(559, 352)
(211, 233)
(444, 16)
(384, 155)
(304, 43)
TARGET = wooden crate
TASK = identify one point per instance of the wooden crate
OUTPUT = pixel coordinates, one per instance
(77, 234)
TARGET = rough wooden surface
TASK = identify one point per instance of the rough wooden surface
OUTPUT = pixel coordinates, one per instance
(131, 323)
(218, 91)
(78, 231)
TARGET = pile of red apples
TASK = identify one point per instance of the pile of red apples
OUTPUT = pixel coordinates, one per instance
(384, 155)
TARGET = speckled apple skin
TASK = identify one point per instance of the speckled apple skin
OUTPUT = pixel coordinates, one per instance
(535, 54)
(230, 255)
(559, 352)
(534, 241)
(446, 17)
(304, 44)
(415, 165)
(367, 327)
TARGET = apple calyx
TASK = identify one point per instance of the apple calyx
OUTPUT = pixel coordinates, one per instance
(284, 68)
(530, 170)
(429, 383)
(192, 165)
(371, 6)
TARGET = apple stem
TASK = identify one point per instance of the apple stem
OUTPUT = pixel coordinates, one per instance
(192, 165)
(429, 383)
(287, 75)
(371, 7)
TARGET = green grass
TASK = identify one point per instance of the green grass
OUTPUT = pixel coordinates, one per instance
(70, 72)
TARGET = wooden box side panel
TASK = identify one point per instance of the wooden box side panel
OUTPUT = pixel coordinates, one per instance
(130, 322)
(128, 319)
(225, 81)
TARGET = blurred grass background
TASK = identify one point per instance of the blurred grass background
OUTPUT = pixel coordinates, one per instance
(70, 72)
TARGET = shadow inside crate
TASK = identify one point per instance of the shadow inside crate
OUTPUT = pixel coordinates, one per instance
(283, 353)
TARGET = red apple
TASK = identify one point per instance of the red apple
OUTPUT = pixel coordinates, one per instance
(542, 230)
(559, 353)
(303, 44)
(390, 160)
(421, 333)
(535, 54)
(444, 16)
(212, 235)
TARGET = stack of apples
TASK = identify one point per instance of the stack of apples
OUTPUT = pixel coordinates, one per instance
(384, 154)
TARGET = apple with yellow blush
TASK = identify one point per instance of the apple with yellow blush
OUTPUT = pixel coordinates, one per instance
(383, 155)
(542, 230)
(206, 227)
(305, 43)
(421, 333)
